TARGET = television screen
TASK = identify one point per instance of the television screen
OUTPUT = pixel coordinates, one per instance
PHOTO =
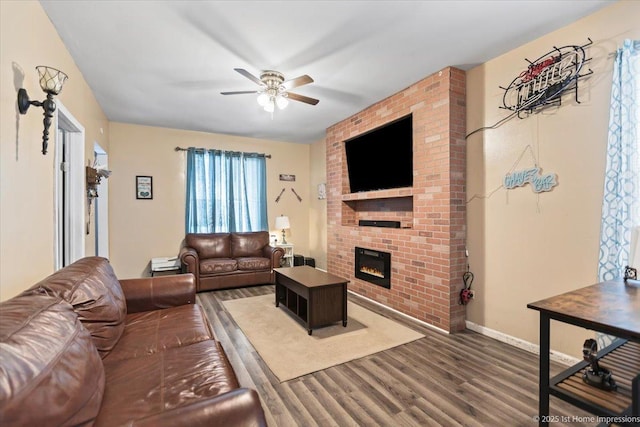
(381, 158)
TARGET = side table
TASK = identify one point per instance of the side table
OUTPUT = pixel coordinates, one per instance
(287, 259)
(163, 264)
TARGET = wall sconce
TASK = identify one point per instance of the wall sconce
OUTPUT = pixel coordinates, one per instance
(93, 180)
(51, 82)
(93, 177)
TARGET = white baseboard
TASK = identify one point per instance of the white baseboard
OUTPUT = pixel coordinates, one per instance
(413, 319)
(556, 356)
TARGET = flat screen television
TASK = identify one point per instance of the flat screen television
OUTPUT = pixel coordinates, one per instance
(381, 158)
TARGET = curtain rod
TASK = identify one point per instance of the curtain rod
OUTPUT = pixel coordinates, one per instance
(268, 156)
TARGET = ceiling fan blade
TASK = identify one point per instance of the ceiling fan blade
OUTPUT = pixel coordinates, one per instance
(298, 81)
(249, 76)
(302, 98)
(239, 92)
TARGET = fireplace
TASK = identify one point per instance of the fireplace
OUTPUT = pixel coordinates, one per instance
(373, 266)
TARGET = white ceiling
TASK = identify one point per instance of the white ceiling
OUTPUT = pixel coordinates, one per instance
(164, 63)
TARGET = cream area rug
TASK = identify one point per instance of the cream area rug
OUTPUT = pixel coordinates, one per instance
(284, 345)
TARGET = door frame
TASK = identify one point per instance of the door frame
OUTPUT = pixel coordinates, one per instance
(101, 203)
(63, 119)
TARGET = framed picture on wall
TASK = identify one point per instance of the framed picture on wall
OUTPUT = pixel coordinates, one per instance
(144, 187)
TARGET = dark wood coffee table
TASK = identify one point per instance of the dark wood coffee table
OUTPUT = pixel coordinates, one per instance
(315, 297)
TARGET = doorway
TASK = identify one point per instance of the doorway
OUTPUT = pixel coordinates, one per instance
(101, 204)
(69, 197)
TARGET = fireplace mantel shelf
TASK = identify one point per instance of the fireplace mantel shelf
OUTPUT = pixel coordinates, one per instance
(379, 194)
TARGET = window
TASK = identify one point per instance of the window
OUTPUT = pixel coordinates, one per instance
(226, 191)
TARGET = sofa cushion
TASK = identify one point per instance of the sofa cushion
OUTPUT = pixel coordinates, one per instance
(149, 332)
(250, 244)
(218, 265)
(210, 245)
(143, 386)
(51, 373)
(254, 263)
(92, 288)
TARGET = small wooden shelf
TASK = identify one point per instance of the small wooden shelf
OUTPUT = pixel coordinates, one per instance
(622, 358)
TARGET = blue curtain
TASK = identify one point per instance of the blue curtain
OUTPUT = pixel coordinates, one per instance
(226, 191)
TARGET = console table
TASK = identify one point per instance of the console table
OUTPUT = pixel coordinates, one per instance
(612, 308)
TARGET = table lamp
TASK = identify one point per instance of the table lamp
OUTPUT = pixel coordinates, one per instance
(282, 223)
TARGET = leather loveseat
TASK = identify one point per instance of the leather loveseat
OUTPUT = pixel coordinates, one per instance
(230, 260)
(83, 348)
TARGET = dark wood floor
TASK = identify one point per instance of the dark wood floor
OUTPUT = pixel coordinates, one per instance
(460, 379)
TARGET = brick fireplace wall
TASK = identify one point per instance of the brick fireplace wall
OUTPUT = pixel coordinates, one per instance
(428, 252)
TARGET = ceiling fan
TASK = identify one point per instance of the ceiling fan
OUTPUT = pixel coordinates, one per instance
(274, 90)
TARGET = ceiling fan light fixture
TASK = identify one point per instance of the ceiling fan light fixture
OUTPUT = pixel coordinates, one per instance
(274, 89)
(263, 98)
(282, 101)
(269, 106)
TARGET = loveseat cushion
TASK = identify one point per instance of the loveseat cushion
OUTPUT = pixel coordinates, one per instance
(249, 244)
(218, 265)
(144, 386)
(92, 288)
(210, 245)
(254, 263)
(149, 332)
(51, 373)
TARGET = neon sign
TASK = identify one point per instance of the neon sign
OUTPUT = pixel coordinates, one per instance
(546, 79)
(539, 183)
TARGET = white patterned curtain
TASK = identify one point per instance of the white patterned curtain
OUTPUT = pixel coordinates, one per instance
(621, 203)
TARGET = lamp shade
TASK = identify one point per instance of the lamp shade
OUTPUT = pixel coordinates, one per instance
(282, 222)
(269, 106)
(263, 98)
(282, 102)
(51, 80)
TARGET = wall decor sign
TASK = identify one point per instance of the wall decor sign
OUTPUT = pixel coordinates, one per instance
(287, 177)
(144, 187)
(546, 79)
(539, 183)
(322, 191)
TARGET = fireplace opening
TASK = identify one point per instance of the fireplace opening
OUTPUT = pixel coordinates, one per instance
(373, 266)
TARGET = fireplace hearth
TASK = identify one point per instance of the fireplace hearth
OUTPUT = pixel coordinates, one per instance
(373, 266)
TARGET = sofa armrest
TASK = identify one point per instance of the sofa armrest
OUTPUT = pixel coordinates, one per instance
(190, 261)
(239, 408)
(153, 293)
(275, 254)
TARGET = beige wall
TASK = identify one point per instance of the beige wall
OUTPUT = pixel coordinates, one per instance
(522, 247)
(29, 39)
(143, 229)
(525, 247)
(318, 207)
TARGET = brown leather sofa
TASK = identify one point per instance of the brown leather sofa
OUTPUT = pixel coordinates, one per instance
(230, 260)
(83, 348)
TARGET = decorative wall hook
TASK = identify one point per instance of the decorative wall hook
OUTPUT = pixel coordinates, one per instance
(51, 82)
(294, 192)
